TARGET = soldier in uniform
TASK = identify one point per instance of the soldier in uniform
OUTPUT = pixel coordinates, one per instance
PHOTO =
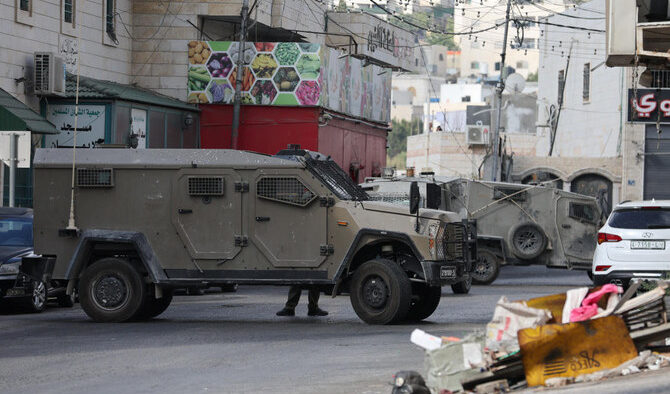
(293, 298)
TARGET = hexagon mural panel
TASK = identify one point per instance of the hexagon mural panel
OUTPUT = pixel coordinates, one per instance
(264, 46)
(198, 52)
(287, 53)
(220, 91)
(198, 78)
(219, 65)
(309, 47)
(286, 99)
(249, 52)
(247, 78)
(286, 79)
(308, 93)
(264, 65)
(309, 66)
(264, 92)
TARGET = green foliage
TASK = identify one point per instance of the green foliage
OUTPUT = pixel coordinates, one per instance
(397, 141)
(341, 6)
(426, 19)
(532, 77)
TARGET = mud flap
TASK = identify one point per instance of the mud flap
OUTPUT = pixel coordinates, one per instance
(569, 350)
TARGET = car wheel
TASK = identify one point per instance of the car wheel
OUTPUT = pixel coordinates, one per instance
(111, 290)
(487, 268)
(37, 302)
(462, 287)
(154, 306)
(527, 241)
(425, 300)
(381, 292)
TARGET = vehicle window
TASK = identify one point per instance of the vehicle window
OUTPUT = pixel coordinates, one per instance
(583, 212)
(502, 192)
(336, 179)
(16, 232)
(284, 189)
(640, 218)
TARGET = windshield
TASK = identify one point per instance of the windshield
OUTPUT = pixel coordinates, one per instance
(640, 218)
(16, 231)
(336, 179)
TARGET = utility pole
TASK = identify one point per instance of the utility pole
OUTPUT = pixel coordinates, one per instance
(13, 160)
(238, 78)
(499, 94)
(554, 126)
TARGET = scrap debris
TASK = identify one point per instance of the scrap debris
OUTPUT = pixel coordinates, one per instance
(584, 335)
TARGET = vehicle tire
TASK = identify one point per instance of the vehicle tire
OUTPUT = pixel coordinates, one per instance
(527, 241)
(111, 290)
(67, 301)
(381, 292)
(154, 306)
(425, 300)
(37, 302)
(486, 269)
(462, 287)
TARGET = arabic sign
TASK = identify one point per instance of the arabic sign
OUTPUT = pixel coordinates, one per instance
(288, 74)
(650, 106)
(68, 50)
(90, 125)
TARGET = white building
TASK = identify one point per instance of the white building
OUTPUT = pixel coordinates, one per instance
(594, 147)
(480, 52)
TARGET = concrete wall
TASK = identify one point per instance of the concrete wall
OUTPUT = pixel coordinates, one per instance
(44, 31)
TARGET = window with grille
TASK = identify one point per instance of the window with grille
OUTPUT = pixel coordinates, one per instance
(95, 177)
(68, 11)
(205, 185)
(24, 5)
(509, 193)
(284, 189)
(561, 85)
(586, 212)
(586, 92)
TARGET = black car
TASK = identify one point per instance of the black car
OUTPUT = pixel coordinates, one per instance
(16, 281)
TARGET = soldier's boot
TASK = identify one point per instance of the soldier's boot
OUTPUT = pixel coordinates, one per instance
(316, 311)
(286, 312)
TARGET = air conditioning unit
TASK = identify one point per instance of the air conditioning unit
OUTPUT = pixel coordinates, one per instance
(637, 31)
(49, 74)
(477, 135)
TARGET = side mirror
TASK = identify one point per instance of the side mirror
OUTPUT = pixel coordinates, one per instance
(433, 196)
(414, 198)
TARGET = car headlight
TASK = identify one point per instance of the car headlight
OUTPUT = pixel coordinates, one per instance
(435, 235)
(9, 268)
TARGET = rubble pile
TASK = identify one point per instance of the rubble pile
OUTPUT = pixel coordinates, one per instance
(583, 335)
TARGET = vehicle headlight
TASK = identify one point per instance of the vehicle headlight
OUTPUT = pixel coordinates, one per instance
(435, 239)
(9, 268)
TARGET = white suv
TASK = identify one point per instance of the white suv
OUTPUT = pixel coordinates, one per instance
(634, 243)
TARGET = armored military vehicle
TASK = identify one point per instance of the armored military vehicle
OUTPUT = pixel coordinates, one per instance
(517, 224)
(149, 221)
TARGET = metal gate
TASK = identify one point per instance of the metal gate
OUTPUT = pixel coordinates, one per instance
(656, 163)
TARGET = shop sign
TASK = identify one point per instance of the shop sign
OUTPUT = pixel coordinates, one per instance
(650, 105)
(90, 125)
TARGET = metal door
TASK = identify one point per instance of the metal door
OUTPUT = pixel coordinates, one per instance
(656, 163)
(289, 223)
(577, 226)
(207, 212)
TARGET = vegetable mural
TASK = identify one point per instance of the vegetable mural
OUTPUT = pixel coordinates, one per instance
(290, 74)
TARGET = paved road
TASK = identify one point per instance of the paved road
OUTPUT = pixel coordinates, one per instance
(234, 343)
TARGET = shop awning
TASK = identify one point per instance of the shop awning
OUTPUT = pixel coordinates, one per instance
(16, 116)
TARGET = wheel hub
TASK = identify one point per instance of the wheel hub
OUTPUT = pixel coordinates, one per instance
(110, 292)
(39, 294)
(483, 266)
(375, 292)
(527, 241)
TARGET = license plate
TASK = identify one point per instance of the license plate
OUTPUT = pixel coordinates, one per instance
(647, 244)
(447, 272)
(15, 292)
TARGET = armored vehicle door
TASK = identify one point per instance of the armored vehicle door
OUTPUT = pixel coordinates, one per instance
(207, 212)
(577, 225)
(289, 223)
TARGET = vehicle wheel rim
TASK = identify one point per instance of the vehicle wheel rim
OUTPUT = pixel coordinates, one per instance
(39, 295)
(110, 292)
(375, 292)
(528, 241)
(484, 267)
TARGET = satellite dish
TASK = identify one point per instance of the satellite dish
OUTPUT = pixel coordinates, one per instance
(515, 83)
